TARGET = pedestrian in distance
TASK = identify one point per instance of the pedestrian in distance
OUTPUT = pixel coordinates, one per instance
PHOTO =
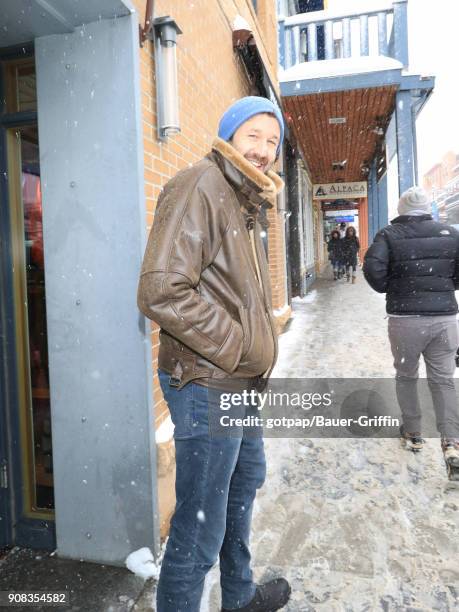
(350, 247)
(334, 247)
(342, 232)
(205, 281)
(415, 262)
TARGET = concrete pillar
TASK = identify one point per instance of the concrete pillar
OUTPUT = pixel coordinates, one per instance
(91, 158)
(405, 140)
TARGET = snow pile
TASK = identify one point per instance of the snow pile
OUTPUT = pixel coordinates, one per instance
(165, 431)
(278, 312)
(307, 299)
(141, 563)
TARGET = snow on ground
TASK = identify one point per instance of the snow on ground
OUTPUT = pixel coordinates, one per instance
(355, 525)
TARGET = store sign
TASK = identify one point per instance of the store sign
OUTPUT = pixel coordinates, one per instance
(338, 191)
(345, 219)
(330, 208)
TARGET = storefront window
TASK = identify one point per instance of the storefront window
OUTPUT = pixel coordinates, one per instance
(36, 312)
(21, 91)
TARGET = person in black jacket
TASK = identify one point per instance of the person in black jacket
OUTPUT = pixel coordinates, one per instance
(415, 262)
(351, 246)
(335, 253)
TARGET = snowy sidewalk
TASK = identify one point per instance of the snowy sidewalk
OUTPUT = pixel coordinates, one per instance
(354, 524)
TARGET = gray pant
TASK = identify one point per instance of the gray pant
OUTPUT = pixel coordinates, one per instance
(436, 339)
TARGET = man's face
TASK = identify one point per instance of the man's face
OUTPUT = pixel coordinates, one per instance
(257, 140)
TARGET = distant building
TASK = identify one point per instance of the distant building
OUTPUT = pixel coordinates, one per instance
(442, 172)
(442, 184)
(351, 101)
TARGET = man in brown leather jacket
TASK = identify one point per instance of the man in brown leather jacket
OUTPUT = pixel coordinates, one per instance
(205, 281)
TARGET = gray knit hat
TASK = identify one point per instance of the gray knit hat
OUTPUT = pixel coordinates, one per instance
(414, 201)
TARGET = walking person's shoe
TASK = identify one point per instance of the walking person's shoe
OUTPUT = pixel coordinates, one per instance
(348, 277)
(335, 275)
(411, 441)
(268, 597)
(354, 278)
(450, 448)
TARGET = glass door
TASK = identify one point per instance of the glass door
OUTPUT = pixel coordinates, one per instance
(30, 308)
(27, 410)
(5, 518)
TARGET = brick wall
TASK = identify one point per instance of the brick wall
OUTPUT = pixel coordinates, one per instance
(276, 258)
(211, 77)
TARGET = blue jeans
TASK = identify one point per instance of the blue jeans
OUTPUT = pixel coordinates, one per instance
(216, 482)
(336, 265)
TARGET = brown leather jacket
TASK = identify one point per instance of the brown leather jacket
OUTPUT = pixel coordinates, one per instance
(200, 280)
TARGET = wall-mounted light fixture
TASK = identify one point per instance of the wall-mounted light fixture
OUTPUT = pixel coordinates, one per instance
(339, 165)
(164, 35)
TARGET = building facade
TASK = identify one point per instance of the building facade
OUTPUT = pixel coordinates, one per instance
(352, 103)
(442, 184)
(86, 461)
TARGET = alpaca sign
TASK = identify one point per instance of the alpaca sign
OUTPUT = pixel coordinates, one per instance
(338, 191)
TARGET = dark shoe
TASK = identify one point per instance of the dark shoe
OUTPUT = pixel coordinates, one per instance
(268, 597)
(412, 441)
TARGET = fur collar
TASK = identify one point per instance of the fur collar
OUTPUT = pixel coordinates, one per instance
(268, 185)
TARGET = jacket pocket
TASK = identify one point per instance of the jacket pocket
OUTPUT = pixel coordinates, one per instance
(258, 347)
(245, 329)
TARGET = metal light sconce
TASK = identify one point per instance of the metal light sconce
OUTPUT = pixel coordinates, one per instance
(165, 40)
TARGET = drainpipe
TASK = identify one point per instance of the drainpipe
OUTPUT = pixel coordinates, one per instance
(147, 28)
(415, 144)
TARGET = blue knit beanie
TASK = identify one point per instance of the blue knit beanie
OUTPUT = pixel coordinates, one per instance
(243, 109)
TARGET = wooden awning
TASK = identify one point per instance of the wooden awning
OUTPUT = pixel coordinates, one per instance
(340, 132)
